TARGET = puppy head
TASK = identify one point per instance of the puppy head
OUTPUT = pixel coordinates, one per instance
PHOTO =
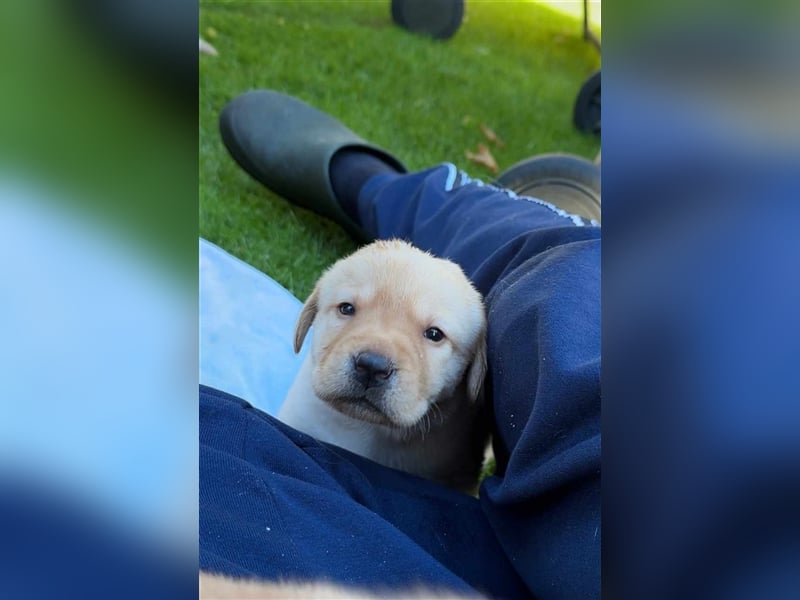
(396, 330)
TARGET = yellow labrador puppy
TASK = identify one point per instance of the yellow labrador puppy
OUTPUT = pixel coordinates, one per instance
(396, 365)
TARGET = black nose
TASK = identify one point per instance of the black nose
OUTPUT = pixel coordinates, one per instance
(372, 369)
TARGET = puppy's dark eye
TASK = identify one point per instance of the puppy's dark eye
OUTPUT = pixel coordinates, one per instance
(434, 334)
(347, 309)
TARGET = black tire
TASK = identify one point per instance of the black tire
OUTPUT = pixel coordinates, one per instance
(439, 19)
(586, 113)
(569, 182)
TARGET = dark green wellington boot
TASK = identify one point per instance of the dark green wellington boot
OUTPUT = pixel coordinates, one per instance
(287, 145)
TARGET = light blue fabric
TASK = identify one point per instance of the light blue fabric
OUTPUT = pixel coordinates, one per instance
(246, 330)
(97, 365)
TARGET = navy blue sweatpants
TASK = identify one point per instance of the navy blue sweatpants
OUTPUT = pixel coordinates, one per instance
(277, 504)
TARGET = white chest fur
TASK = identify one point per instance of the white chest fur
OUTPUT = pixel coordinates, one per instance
(436, 455)
(304, 411)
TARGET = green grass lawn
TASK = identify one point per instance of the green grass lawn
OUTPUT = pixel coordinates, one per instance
(515, 66)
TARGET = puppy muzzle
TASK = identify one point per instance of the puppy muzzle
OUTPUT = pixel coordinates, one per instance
(372, 370)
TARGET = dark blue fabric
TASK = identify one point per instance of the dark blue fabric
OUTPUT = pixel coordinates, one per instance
(701, 285)
(276, 503)
(59, 543)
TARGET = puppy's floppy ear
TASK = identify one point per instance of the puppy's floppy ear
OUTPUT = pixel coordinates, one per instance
(306, 318)
(476, 372)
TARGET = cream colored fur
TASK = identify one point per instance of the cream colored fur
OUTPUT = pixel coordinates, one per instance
(217, 587)
(423, 420)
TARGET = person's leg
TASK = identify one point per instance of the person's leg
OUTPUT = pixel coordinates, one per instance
(540, 272)
(276, 504)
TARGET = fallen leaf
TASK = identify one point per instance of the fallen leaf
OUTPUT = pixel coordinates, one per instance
(206, 48)
(484, 157)
(492, 136)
